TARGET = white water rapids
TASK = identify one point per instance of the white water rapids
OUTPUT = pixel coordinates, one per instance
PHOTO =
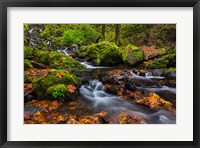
(94, 92)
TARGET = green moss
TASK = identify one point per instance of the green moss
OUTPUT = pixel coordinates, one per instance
(160, 63)
(54, 59)
(105, 53)
(98, 61)
(27, 64)
(167, 59)
(57, 91)
(29, 52)
(42, 56)
(40, 85)
(59, 61)
(132, 55)
(171, 70)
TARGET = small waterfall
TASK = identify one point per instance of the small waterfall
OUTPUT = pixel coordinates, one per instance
(148, 75)
(32, 42)
(156, 89)
(94, 93)
(89, 66)
(30, 31)
(48, 42)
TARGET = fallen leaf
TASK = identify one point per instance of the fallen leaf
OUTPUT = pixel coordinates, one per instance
(71, 88)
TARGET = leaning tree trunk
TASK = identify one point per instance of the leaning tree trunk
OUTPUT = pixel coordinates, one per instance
(117, 33)
(103, 31)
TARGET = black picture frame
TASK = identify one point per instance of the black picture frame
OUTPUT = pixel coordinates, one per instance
(4, 4)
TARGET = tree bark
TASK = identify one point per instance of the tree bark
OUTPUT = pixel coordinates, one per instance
(117, 33)
(103, 31)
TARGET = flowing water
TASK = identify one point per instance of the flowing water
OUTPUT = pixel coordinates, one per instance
(94, 92)
(93, 98)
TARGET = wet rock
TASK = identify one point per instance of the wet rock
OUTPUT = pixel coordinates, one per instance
(171, 74)
(130, 86)
(158, 72)
(152, 56)
(30, 109)
(108, 80)
(105, 120)
(170, 83)
(141, 73)
(144, 82)
(111, 90)
(30, 96)
(120, 78)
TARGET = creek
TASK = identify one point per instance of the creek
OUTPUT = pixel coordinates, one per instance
(94, 92)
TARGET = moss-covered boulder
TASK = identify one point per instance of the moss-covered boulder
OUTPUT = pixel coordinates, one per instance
(105, 53)
(171, 72)
(41, 56)
(49, 86)
(132, 55)
(57, 91)
(166, 60)
(57, 60)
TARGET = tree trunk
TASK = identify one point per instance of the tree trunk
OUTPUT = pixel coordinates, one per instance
(117, 33)
(103, 31)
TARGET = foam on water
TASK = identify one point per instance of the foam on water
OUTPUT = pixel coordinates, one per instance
(89, 66)
(148, 75)
(94, 92)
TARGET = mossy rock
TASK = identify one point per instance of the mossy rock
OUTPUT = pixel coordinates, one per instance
(41, 56)
(40, 85)
(57, 91)
(27, 64)
(170, 72)
(105, 53)
(57, 60)
(159, 63)
(164, 61)
(132, 55)
(60, 92)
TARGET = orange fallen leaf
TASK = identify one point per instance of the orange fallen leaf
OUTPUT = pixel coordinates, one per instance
(60, 118)
(71, 88)
(58, 75)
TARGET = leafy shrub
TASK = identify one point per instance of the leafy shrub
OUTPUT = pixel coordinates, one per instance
(83, 34)
(57, 91)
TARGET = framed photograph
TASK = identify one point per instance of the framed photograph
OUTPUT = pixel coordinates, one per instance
(104, 73)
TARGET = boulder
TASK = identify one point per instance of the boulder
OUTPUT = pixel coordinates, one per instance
(104, 53)
(166, 60)
(158, 72)
(132, 55)
(58, 84)
(170, 73)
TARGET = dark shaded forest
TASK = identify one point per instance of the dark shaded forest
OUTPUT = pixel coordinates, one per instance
(99, 73)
